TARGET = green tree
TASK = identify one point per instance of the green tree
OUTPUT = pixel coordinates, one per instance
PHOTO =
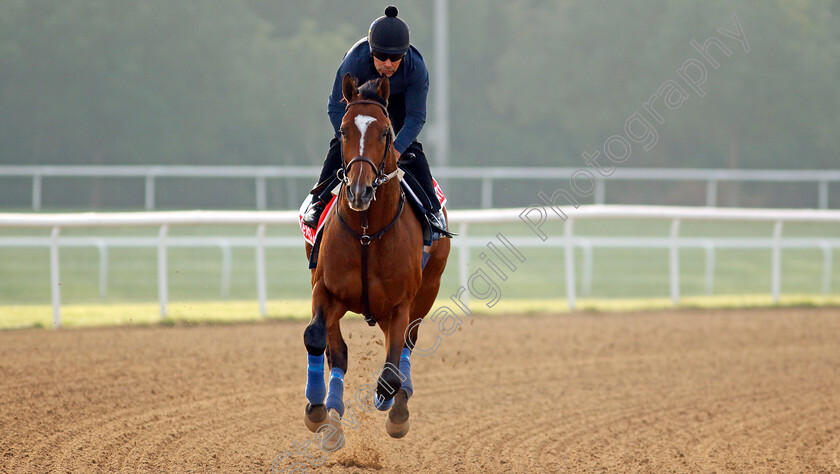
(150, 81)
(531, 82)
(577, 69)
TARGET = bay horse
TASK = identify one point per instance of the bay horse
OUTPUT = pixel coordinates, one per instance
(369, 262)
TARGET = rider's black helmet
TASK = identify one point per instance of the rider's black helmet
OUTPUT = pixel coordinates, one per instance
(388, 34)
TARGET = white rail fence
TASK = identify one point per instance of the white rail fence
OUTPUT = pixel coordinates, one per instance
(487, 176)
(460, 220)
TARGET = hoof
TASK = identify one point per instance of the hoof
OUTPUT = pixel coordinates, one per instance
(397, 423)
(330, 437)
(315, 416)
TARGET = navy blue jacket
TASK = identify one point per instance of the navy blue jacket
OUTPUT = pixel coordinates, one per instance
(409, 88)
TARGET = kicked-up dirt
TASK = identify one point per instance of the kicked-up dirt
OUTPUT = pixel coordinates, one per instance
(673, 391)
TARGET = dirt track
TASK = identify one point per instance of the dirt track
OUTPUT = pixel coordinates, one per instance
(714, 391)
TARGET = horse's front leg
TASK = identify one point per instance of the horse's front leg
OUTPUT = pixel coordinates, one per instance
(323, 333)
(337, 357)
(395, 379)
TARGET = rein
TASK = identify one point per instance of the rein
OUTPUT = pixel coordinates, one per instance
(381, 178)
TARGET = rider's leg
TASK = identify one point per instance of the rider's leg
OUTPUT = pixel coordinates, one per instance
(418, 166)
(332, 161)
(331, 164)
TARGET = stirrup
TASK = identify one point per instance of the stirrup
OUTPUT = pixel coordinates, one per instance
(437, 219)
(439, 224)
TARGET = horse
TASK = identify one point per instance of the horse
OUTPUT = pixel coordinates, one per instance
(370, 263)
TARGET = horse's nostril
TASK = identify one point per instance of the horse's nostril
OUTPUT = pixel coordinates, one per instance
(368, 192)
(350, 194)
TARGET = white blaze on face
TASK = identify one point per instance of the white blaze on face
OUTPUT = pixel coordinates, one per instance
(362, 122)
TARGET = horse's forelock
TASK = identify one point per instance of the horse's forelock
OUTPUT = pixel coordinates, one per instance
(370, 91)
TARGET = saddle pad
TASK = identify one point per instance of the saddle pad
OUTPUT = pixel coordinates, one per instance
(310, 234)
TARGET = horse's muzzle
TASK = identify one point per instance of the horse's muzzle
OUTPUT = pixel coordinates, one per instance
(359, 196)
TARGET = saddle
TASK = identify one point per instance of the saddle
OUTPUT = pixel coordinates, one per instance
(431, 230)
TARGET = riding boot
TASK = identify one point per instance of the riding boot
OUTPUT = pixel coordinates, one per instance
(313, 213)
(414, 161)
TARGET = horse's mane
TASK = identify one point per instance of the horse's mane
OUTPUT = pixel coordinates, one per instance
(368, 91)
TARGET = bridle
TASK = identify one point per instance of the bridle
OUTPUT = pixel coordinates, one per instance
(381, 178)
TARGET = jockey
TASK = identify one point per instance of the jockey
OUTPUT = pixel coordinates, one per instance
(385, 52)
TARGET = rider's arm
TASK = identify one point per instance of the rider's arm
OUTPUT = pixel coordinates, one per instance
(350, 63)
(335, 106)
(417, 89)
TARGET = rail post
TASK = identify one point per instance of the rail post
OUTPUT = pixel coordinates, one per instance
(163, 284)
(260, 190)
(823, 194)
(674, 261)
(600, 191)
(224, 247)
(150, 192)
(586, 284)
(487, 192)
(36, 192)
(710, 266)
(827, 265)
(261, 284)
(776, 272)
(103, 267)
(568, 229)
(711, 193)
(463, 261)
(55, 277)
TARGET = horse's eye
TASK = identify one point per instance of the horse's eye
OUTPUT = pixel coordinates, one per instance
(342, 132)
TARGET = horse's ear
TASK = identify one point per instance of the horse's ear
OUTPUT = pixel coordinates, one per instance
(384, 88)
(348, 87)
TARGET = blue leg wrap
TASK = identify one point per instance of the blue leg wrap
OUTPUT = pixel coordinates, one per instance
(335, 400)
(316, 389)
(405, 368)
(381, 404)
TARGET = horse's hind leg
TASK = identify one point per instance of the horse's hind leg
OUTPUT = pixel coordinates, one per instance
(390, 379)
(397, 423)
(394, 385)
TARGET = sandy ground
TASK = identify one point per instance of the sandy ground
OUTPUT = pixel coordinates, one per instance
(688, 391)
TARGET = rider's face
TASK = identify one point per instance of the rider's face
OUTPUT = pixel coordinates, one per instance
(387, 68)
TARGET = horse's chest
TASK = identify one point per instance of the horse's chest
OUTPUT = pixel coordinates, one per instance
(388, 277)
